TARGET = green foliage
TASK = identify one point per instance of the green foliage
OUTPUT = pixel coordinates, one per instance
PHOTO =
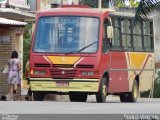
(145, 94)
(133, 3)
(105, 3)
(144, 9)
(156, 93)
(26, 44)
(121, 3)
(91, 3)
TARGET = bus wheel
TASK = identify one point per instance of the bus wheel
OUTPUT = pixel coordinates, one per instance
(123, 97)
(77, 97)
(102, 93)
(134, 93)
(131, 96)
(38, 96)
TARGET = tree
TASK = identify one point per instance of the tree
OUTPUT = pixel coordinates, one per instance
(157, 86)
(144, 8)
(91, 3)
(26, 44)
(121, 3)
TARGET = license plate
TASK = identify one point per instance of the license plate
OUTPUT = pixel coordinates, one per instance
(62, 84)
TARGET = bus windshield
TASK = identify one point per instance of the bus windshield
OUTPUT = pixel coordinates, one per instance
(64, 34)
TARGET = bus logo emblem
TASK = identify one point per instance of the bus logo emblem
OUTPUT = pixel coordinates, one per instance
(63, 59)
(63, 72)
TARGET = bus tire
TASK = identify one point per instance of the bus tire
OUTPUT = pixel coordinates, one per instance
(131, 96)
(102, 93)
(123, 97)
(77, 97)
(38, 96)
(134, 93)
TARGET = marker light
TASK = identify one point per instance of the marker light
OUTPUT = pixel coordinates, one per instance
(90, 73)
(39, 72)
(31, 72)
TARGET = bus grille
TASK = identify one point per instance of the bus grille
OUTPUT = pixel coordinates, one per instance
(72, 66)
(84, 66)
(63, 65)
(58, 73)
(41, 65)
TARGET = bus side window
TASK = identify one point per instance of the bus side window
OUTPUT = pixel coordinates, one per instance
(148, 36)
(137, 38)
(116, 41)
(105, 41)
(126, 34)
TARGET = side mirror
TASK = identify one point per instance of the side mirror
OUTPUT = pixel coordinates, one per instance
(33, 21)
(33, 25)
(109, 32)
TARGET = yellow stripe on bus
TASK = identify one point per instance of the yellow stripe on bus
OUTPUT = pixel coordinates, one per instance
(73, 86)
(63, 59)
(137, 60)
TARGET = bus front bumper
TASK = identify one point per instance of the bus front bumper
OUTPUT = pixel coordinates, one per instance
(64, 85)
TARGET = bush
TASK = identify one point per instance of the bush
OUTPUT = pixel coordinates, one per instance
(26, 45)
(91, 3)
(145, 94)
(156, 93)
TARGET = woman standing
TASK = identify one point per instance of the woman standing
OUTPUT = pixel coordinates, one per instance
(13, 74)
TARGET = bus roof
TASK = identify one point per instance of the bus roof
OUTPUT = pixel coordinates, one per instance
(73, 11)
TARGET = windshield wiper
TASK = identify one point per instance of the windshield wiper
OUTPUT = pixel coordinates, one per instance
(82, 48)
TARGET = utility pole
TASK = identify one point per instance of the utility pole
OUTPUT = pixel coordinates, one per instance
(99, 4)
(61, 2)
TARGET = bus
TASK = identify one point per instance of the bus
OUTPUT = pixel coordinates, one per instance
(80, 51)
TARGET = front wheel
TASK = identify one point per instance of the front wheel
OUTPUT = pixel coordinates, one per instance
(77, 97)
(102, 93)
(38, 96)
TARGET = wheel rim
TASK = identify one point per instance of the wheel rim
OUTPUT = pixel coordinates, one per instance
(104, 90)
(135, 91)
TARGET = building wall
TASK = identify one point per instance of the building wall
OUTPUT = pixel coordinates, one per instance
(156, 26)
(5, 53)
(46, 4)
(33, 5)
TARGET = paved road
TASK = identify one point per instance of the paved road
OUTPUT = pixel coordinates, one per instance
(65, 110)
(112, 106)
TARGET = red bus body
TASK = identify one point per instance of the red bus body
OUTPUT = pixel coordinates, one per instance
(79, 72)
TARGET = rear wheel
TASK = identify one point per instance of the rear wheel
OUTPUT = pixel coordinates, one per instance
(134, 94)
(77, 97)
(131, 96)
(38, 96)
(102, 93)
(123, 97)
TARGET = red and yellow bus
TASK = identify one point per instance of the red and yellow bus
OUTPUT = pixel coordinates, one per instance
(82, 51)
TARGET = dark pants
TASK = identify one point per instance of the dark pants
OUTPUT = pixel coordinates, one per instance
(29, 90)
